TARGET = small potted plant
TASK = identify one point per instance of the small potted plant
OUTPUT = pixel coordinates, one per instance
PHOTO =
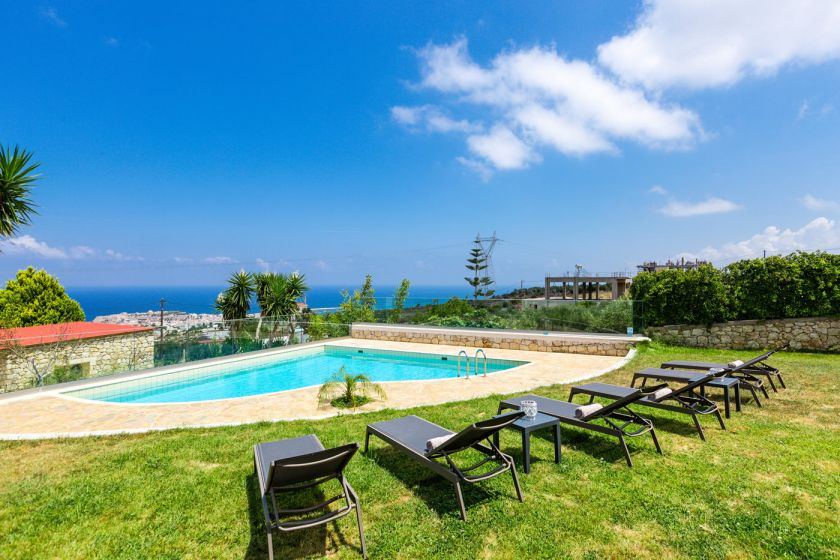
(347, 390)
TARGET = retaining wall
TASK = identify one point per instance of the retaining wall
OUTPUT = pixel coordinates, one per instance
(573, 343)
(813, 333)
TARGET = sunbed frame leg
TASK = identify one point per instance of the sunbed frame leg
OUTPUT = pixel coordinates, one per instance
(772, 385)
(460, 501)
(361, 529)
(720, 419)
(516, 482)
(781, 381)
(270, 546)
(699, 427)
(655, 440)
(626, 450)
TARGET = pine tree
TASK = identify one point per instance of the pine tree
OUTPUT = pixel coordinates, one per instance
(477, 264)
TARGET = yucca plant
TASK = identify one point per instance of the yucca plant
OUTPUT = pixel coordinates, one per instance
(17, 176)
(347, 390)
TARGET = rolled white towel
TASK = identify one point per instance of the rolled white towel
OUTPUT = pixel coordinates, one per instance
(661, 393)
(436, 442)
(735, 363)
(587, 409)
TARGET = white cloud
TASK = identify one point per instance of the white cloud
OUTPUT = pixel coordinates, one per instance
(26, 244)
(535, 98)
(710, 43)
(712, 205)
(807, 109)
(819, 204)
(502, 148)
(111, 41)
(820, 233)
(476, 167)
(50, 14)
(264, 265)
(431, 119)
(219, 260)
(658, 189)
(321, 265)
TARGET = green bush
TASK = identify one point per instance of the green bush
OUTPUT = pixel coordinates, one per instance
(797, 285)
(673, 297)
(34, 297)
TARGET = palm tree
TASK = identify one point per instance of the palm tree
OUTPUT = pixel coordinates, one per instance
(346, 389)
(16, 178)
(281, 297)
(235, 302)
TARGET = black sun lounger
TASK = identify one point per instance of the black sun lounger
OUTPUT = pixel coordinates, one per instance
(686, 399)
(410, 434)
(292, 465)
(616, 416)
(721, 380)
(755, 366)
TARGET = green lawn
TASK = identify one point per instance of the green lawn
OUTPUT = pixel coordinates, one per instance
(767, 487)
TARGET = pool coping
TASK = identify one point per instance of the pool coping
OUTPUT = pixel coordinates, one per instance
(316, 344)
(332, 413)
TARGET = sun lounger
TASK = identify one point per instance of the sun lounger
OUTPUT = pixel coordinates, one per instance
(755, 366)
(293, 465)
(686, 399)
(411, 434)
(722, 381)
(616, 418)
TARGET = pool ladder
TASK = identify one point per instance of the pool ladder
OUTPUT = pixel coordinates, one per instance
(467, 360)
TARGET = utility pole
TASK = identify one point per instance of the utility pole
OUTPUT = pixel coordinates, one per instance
(162, 303)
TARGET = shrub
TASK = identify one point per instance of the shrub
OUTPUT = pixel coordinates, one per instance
(672, 297)
(34, 297)
(796, 285)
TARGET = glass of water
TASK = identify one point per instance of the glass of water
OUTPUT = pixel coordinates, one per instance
(529, 408)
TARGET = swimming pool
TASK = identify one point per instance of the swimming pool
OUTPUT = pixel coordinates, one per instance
(281, 372)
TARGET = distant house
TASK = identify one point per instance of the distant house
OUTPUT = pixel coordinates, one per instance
(682, 264)
(49, 353)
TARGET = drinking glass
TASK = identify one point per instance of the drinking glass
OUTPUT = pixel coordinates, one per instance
(529, 408)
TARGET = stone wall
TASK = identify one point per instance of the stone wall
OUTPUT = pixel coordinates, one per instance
(601, 345)
(96, 356)
(821, 333)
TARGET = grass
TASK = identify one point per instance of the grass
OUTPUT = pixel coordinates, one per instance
(768, 487)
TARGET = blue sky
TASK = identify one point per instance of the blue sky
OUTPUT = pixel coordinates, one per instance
(179, 143)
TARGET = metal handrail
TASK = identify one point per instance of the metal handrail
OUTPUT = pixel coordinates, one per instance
(485, 361)
(467, 356)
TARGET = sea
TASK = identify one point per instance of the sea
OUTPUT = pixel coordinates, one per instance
(97, 301)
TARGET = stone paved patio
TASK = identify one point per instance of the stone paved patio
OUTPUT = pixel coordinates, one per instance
(49, 414)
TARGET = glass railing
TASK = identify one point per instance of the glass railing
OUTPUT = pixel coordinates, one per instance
(61, 353)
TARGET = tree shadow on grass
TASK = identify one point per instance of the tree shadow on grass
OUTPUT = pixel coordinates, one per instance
(435, 491)
(315, 542)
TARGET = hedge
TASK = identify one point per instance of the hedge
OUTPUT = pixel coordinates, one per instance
(797, 285)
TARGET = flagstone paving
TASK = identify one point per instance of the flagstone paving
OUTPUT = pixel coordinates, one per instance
(50, 414)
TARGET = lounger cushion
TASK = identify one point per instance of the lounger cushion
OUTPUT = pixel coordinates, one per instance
(434, 443)
(587, 409)
(662, 393)
(411, 431)
(735, 363)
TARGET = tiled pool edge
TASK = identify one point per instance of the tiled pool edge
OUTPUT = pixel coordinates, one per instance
(103, 433)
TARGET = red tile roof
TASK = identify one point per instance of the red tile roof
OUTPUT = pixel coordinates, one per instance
(46, 334)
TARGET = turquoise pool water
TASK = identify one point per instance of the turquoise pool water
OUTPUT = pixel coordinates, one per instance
(288, 370)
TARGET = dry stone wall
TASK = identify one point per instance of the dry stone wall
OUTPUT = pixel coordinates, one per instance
(513, 340)
(96, 356)
(820, 333)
